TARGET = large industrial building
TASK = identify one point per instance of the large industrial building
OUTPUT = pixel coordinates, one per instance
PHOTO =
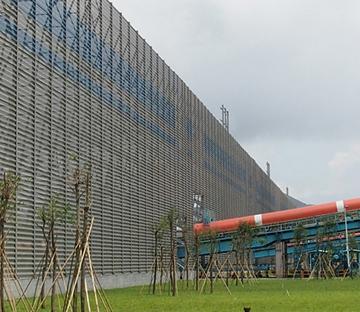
(77, 79)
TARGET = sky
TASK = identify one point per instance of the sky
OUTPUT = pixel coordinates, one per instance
(288, 71)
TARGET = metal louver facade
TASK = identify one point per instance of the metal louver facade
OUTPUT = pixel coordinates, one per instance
(77, 79)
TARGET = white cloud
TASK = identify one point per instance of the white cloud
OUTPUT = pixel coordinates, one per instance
(345, 161)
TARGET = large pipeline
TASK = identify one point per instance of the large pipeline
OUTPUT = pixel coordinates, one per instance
(280, 216)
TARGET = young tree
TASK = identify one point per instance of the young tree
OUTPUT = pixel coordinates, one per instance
(41, 214)
(186, 232)
(242, 240)
(161, 259)
(8, 188)
(213, 243)
(329, 229)
(77, 181)
(323, 248)
(171, 219)
(87, 206)
(197, 255)
(158, 236)
(299, 235)
(51, 216)
(81, 181)
(353, 246)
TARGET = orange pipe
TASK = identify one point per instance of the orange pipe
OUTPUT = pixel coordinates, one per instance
(229, 225)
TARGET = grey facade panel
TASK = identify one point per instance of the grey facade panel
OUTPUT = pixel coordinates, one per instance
(77, 79)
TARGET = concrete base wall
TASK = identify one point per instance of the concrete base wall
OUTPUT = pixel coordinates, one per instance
(124, 280)
(109, 281)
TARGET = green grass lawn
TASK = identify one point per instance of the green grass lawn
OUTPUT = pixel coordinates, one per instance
(264, 295)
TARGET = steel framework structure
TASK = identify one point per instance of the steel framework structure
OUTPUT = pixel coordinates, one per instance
(77, 79)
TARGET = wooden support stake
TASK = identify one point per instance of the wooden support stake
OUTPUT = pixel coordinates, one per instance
(57, 276)
(92, 278)
(82, 257)
(87, 297)
(18, 286)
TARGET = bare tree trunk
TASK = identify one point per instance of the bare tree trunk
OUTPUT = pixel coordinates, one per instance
(186, 248)
(155, 264)
(83, 273)
(170, 276)
(84, 237)
(77, 240)
(43, 273)
(172, 257)
(174, 292)
(241, 262)
(237, 267)
(161, 266)
(211, 272)
(186, 262)
(249, 264)
(53, 287)
(197, 243)
(8, 190)
(2, 255)
(212, 257)
(227, 272)
(75, 295)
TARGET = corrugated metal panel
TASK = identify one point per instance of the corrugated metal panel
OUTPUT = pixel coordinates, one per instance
(77, 79)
